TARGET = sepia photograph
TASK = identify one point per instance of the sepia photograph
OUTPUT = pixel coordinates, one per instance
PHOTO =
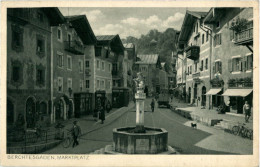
(130, 81)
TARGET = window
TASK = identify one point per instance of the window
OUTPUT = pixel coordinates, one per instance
(81, 85)
(98, 51)
(98, 64)
(119, 83)
(203, 36)
(236, 64)
(69, 60)
(98, 84)
(108, 85)
(40, 16)
(40, 45)
(60, 84)
(87, 83)
(217, 24)
(17, 38)
(197, 28)
(196, 66)
(40, 77)
(60, 60)
(201, 65)
(80, 66)
(114, 82)
(69, 37)
(206, 64)
(207, 37)
(102, 65)
(218, 39)
(69, 82)
(87, 64)
(102, 84)
(59, 34)
(114, 66)
(15, 74)
(249, 62)
(218, 67)
(190, 69)
(109, 67)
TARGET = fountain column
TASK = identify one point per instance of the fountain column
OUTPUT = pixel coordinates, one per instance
(140, 97)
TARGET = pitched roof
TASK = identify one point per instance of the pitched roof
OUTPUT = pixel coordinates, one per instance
(54, 15)
(105, 37)
(129, 45)
(187, 25)
(147, 59)
(81, 25)
(113, 40)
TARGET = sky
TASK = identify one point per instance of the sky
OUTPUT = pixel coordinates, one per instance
(130, 21)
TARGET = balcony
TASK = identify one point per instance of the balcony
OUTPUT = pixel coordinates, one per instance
(196, 75)
(244, 37)
(74, 47)
(192, 52)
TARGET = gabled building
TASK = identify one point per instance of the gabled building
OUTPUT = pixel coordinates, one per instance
(154, 77)
(195, 43)
(69, 48)
(112, 50)
(232, 56)
(29, 64)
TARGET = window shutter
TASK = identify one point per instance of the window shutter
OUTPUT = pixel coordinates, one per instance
(230, 65)
(220, 67)
(214, 69)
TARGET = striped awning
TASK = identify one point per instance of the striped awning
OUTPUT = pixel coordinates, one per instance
(237, 92)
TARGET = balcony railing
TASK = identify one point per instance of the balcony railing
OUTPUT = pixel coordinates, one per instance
(196, 75)
(74, 46)
(192, 52)
(244, 37)
(241, 84)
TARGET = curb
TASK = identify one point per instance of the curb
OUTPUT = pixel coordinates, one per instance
(125, 109)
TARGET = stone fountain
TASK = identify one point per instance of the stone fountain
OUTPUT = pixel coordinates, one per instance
(140, 139)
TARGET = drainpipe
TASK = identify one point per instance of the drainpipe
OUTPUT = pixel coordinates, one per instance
(51, 82)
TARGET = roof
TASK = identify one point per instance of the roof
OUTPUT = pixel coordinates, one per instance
(187, 25)
(129, 45)
(147, 59)
(113, 40)
(81, 25)
(54, 15)
(215, 14)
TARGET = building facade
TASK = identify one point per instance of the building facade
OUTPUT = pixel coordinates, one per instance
(29, 64)
(232, 56)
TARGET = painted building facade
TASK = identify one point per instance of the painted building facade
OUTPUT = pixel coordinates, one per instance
(29, 64)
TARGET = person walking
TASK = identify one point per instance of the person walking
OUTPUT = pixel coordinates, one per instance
(247, 111)
(102, 115)
(152, 105)
(76, 132)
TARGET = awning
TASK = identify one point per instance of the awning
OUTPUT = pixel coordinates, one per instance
(237, 92)
(213, 91)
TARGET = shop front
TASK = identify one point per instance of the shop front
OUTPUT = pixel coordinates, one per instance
(120, 97)
(237, 98)
(83, 104)
(216, 97)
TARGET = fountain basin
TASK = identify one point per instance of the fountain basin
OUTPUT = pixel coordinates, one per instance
(154, 141)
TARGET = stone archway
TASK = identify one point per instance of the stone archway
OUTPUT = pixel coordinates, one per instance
(31, 112)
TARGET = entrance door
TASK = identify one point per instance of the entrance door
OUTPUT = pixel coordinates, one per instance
(10, 112)
(240, 105)
(59, 110)
(203, 96)
(30, 113)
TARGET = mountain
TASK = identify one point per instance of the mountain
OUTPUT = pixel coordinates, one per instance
(155, 42)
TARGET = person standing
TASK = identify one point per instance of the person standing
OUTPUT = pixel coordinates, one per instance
(247, 111)
(102, 115)
(76, 132)
(152, 105)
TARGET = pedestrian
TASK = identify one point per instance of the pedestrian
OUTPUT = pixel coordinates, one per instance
(247, 111)
(76, 132)
(102, 115)
(152, 105)
(108, 106)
